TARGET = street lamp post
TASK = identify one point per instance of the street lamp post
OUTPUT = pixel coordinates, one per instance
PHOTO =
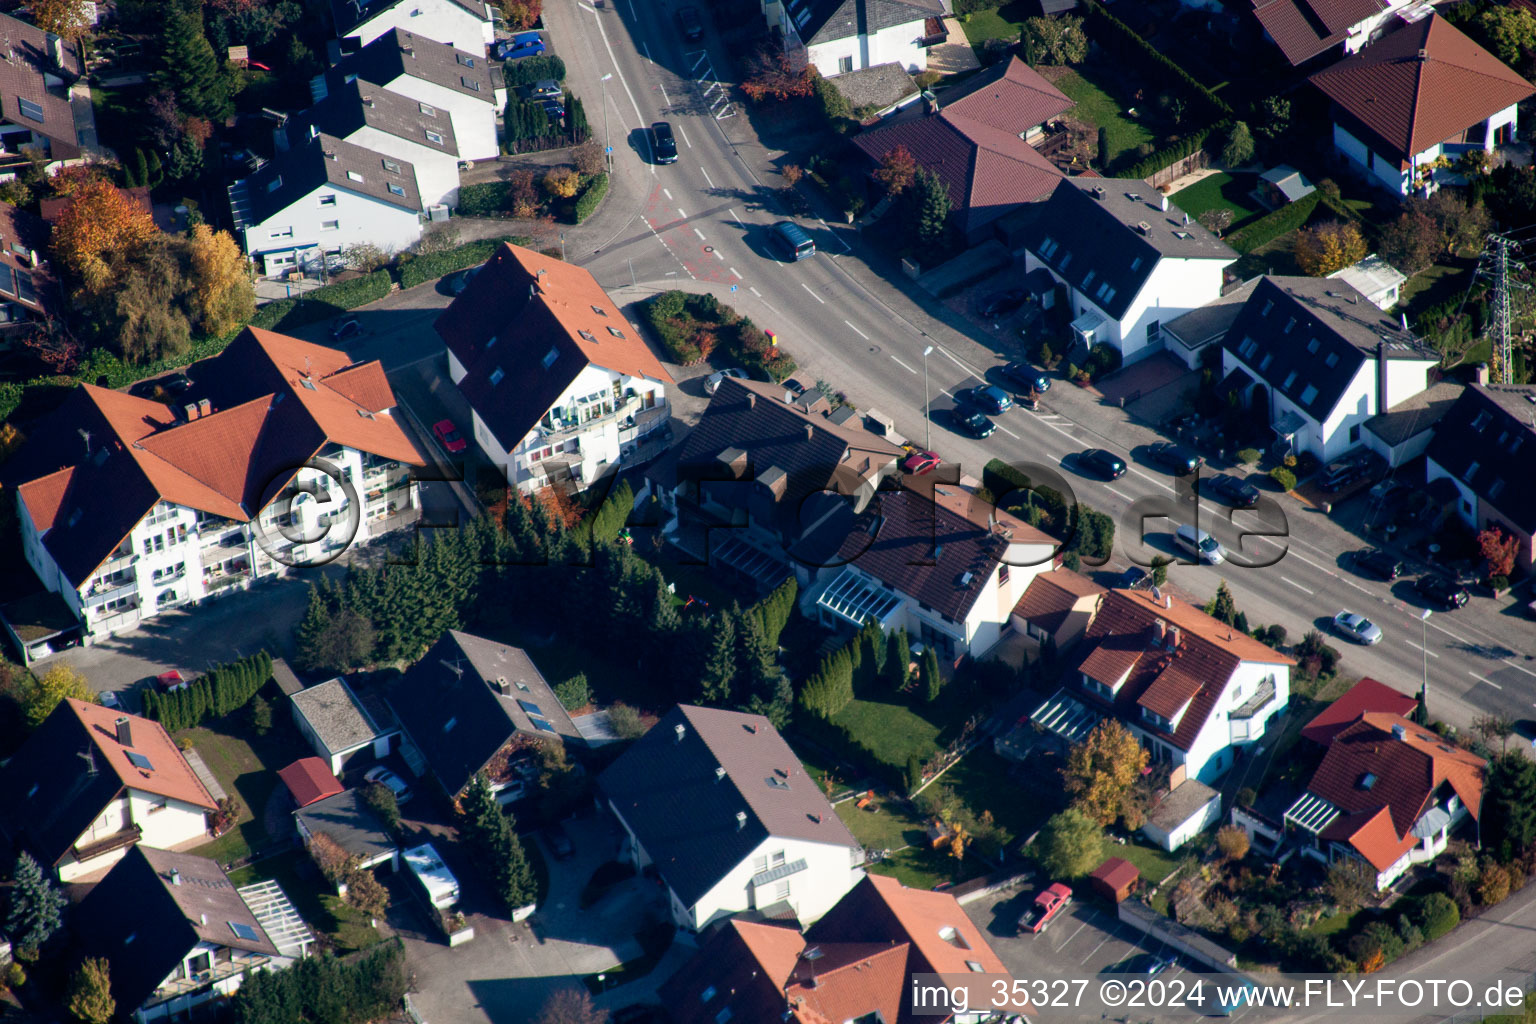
(1424, 651)
(927, 412)
(607, 145)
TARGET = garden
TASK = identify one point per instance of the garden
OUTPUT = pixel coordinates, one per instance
(1221, 191)
(693, 328)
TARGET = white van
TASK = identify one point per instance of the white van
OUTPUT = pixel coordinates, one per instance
(1200, 544)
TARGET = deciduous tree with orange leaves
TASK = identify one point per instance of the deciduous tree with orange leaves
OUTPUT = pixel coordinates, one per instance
(222, 295)
(102, 223)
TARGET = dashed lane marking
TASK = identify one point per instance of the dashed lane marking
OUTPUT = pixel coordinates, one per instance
(856, 330)
(812, 294)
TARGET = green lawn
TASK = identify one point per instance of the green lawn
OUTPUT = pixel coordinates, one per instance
(1002, 23)
(1221, 190)
(1432, 286)
(246, 766)
(981, 779)
(1101, 110)
(894, 730)
(1154, 863)
(892, 827)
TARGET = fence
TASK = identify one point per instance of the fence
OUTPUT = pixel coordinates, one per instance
(1199, 160)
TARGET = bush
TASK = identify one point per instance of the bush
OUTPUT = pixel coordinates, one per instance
(486, 199)
(15, 976)
(323, 303)
(1248, 456)
(1283, 477)
(1272, 225)
(528, 70)
(1154, 160)
(439, 264)
(575, 693)
(380, 799)
(586, 203)
(1438, 915)
(625, 722)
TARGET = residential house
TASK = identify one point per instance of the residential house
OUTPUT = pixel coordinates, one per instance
(1192, 689)
(29, 291)
(1375, 278)
(853, 965)
(718, 806)
(1318, 360)
(336, 724)
(1404, 432)
(837, 36)
(1187, 808)
(1056, 608)
(934, 559)
(980, 138)
(178, 933)
(1367, 695)
(1304, 29)
(38, 75)
(203, 492)
(1478, 446)
(91, 782)
(1284, 184)
(390, 125)
(1388, 793)
(1195, 338)
(775, 476)
(305, 207)
(434, 75)
(346, 819)
(1422, 93)
(1129, 260)
(473, 706)
(310, 780)
(562, 389)
(883, 88)
(463, 24)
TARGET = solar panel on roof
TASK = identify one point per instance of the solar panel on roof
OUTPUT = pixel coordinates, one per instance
(138, 760)
(244, 931)
(539, 723)
(530, 707)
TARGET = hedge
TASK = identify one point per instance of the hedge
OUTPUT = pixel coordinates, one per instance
(1107, 30)
(487, 199)
(590, 196)
(323, 303)
(227, 688)
(528, 70)
(1272, 225)
(432, 266)
(1175, 151)
(674, 315)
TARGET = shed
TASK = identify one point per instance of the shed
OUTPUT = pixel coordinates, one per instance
(309, 779)
(1189, 809)
(336, 724)
(1284, 184)
(1114, 879)
(346, 819)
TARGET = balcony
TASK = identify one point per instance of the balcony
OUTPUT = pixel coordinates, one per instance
(1261, 699)
(121, 559)
(101, 593)
(626, 409)
(85, 852)
(239, 963)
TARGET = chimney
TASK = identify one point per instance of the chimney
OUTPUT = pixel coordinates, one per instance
(810, 431)
(751, 400)
(204, 407)
(741, 820)
(1399, 733)
(124, 730)
(681, 732)
(720, 774)
(190, 411)
(1159, 631)
(1173, 638)
(1381, 376)
(175, 877)
(314, 131)
(55, 50)
(1423, 55)
(1481, 374)
(1143, 227)
(930, 102)
(368, 102)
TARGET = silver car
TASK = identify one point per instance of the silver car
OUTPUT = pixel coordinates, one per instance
(713, 381)
(1357, 628)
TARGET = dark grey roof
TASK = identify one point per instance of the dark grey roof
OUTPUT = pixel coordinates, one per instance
(1093, 226)
(1200, 327)
(47, 799)
(671, 792)
(1415, 414)
(397, 53)
(346, 819)
(1304, 333)
(451, 705)
(349, 14)
(1488, 442)
(144, 923)
(27, 65)
(881, 86)
(822, 21)
(324, 160)
(336, 716)
(358, 104)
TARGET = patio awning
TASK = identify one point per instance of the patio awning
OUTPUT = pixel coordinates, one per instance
(1434, 821)
(751, 562)
(1086, 325)
(1238, 381)
(856, 599)
(1289, 425)
(1311, 813)
(1065, 716)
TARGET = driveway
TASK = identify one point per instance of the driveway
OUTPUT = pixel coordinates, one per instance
(505, 973)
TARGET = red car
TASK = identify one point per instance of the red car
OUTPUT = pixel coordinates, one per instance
(172, 680)
(449, 434)
(920, 462)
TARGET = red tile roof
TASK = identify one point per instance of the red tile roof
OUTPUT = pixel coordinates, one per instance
(1366, 695)
(1305, 28)
(521, 307)
(1052, 595)
(170, 775)
(944, 940)
(276, 402)
(309, 779)
(1116, 872)
(1419, 86)
(1408, 775)
(973, 143)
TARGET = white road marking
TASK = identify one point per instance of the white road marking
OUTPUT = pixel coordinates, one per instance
(736, 274)
(856, 330)
(898, 362)
(1432, 654)
(1095, 949)
(684, 134)
(668, 193)
(700, 234)
(719, 255)
(823, 223)
(681, 214)
(647, 50)
(1484, 679)
(1072, 936)
(1116, 493)
(1512, 665)
(1011, 433)
(736, 218)
(968, 369)
(707, 177)
(639, 117)
(812, 294)
(663, 91)
(754, 291)
(1298, 586)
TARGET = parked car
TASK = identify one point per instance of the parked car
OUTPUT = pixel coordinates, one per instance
(172, 680)
(1231, 490)
(449, 435)
(987, 398)
(691, 24)
(1026, 378)
(1340, 474)
(1175, 458)
(545, 89)
(346, 328)
(559, 842)
(792, 240)
(712, 382)
(1442, 591)
(1045, 909)
(462, 281)
(1000, 304)
(974, 422)
(1132, 578)
(920, 462)
(1357, 628)
(1106, 464)
(524, 44)
(1200, 544)
(1379, 564)
(390, 781)
(663, 143)
(175, 384)
(1158, 965)
(109, 699)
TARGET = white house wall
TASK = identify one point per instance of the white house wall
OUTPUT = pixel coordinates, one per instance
(897, 45)
(1385, 172)
(474, 119)
(1211, 753)
(437, 170)
(439, 20)
(828, 875)
(599, 442)
(353, 219)
(174, 823)
(1406, 378)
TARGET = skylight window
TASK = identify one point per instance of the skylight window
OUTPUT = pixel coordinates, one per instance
(1048, 247)
(550, 357)
(599, 310)
(975, 967)
(587, 335)
(1267, 307)
(448, 725)
(1290, 325)
(1313, 345)
(1309, 395)
(391, 166)
(465, 59)
(1066, 260)
(29, 110)
(1481, 420)
(436, 138)
(1106, 293)
(244, 931)
(615, 332)
(1247, 348)
(395, 190)
(275, 184)
(469, 83)
(354, 176)
(496, 376)
(529, 706)
(1088, 279)
(707, 994)
(139, 761)
(1136, 263)
(1269, 357)
(1332, 360)
(1496, 488)
(541, 725)
(1368, 780)
(427, 109)
(1472, 471)
(1290, 379)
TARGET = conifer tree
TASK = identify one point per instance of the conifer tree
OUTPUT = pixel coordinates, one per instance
(188, 66)
(932, 678)
(35, 905)
(898, 657)
(719, 663)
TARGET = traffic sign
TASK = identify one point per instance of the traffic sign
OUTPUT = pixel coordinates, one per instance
(733, 287)
(608, 150)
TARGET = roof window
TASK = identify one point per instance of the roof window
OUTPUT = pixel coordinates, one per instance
(1088, 279)
(395, 190)
(707, 994)
(587, 335)
(1066, 260)
(427, 109)
(1309, 395)
(1368, 780)
(952, 936)
(1496, 488)
(391, 166)
(599, 310)
(1472, 471)
(496, 376)
(469, 83)
(1313, 345)
(1290, 379)
(465, 59)
(1267, 307)
(1290, 325)
(550, 357)
(1247, 348)
(1136, 263)
(354, 176)
(436, 138)
(615, 332)
(1332, 360)
(1048, 247)
(1269, 357)
(1481, 420)
(275, 184)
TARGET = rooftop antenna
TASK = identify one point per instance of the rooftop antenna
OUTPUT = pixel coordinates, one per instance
(89, 756)
(86, 436)
(454, 666)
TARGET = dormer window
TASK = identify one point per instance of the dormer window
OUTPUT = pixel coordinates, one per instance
(469, 83)
(436, 138)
